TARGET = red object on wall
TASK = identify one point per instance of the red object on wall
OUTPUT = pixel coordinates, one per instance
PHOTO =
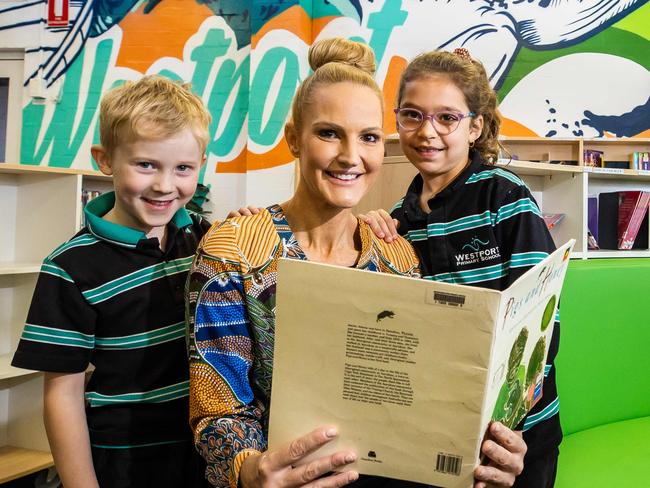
(57, 13)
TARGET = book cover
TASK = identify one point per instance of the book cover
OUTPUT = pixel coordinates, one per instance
(632, 208)
(593, 157)
(552, 220)
(608, 220)
(592, 216)
(410, 371)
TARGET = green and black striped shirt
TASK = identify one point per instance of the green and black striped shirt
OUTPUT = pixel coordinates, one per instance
(485, 229)
(112, 298)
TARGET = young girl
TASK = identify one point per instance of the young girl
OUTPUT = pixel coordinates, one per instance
(470, 222)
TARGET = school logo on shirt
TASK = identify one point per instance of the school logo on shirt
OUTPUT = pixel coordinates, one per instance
(477, 251)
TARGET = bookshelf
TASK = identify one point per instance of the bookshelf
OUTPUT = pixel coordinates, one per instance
(553, 169)
(41, 208)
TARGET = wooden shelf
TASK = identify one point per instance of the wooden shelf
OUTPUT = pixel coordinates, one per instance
(616, 173)
(7, 371)
(20, 169)
(16, 462)
(19, 268)
(533, 168)
(623, 141)
(547, 141)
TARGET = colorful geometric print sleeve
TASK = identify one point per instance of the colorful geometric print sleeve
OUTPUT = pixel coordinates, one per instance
(59, 334)
(226, 422)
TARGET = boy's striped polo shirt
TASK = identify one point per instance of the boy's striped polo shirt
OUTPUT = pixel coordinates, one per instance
(111, 298)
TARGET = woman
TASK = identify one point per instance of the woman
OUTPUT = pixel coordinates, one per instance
(336, 134)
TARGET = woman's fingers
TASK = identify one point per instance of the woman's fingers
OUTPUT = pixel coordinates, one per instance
(311, 473)
(505, 449)
(381, 224)
(244, 212)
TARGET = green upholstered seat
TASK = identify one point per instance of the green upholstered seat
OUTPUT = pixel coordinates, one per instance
(603, 375)
(613, 455)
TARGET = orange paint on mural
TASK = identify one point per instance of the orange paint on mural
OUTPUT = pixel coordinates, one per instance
(277, 156)
(645, 133)
(250, 161)
(390, 89)
(294, 19)
(237, 165)
(163, 32)
(512, 128)
(319, 24)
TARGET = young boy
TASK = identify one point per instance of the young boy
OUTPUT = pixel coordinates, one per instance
(113, 297)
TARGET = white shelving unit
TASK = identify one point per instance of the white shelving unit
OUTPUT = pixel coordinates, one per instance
(41, 208)
(557, 187)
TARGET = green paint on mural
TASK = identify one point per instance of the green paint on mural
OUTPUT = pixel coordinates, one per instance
(230, 78)
(610, 41)
(637, 22)
(336, 8)
(64, 136)
(382, 24)
(273, 61)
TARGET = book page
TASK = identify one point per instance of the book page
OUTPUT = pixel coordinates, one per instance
(398, 364)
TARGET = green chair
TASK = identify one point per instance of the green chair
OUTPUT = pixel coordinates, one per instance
(604, 375)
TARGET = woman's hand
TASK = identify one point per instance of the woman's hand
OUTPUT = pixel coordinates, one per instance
(279, 468)
(244, 212)
(505, 450)
(382, 224)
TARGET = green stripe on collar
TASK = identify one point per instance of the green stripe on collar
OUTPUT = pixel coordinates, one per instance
(116, 233)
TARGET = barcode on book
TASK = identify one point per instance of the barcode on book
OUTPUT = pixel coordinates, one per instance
(448, 299)
(449, 463)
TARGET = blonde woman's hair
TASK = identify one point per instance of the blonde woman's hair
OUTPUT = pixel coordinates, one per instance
(335, 60)
(470, 77)
(153, 106)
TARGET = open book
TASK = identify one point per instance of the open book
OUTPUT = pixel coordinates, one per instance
(411, 371)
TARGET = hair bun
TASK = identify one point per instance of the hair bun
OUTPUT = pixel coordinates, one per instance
(339, 50)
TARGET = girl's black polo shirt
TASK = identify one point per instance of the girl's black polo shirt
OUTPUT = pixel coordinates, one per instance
(485, 229)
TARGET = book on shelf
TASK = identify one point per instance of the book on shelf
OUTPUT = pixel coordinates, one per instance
(632, 209)
(593, 157)
(88, 195)
(640, 160)
(623, 220)
(592, 243)
(552, 219)
(411, 371)
(592, 223)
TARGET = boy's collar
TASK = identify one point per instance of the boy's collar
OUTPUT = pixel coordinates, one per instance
(116, 233)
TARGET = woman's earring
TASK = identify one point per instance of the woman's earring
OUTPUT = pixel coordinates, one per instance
(471, 143)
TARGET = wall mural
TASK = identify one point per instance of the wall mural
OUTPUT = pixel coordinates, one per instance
(561, 68)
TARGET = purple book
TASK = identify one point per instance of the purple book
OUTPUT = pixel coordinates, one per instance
(592, 216)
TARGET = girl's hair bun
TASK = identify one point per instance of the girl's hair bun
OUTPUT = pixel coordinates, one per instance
(339, 50)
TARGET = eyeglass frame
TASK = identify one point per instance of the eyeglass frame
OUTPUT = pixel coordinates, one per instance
(429, 117)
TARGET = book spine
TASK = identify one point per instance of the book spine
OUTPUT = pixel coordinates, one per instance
(632, 208)
(634, 160)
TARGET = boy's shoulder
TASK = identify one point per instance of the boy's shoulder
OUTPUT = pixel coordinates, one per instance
(74, 250)
(246, 240)
(200, 225)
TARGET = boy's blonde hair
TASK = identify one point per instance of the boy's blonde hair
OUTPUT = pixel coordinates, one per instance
(335, 60)
(153, 106)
